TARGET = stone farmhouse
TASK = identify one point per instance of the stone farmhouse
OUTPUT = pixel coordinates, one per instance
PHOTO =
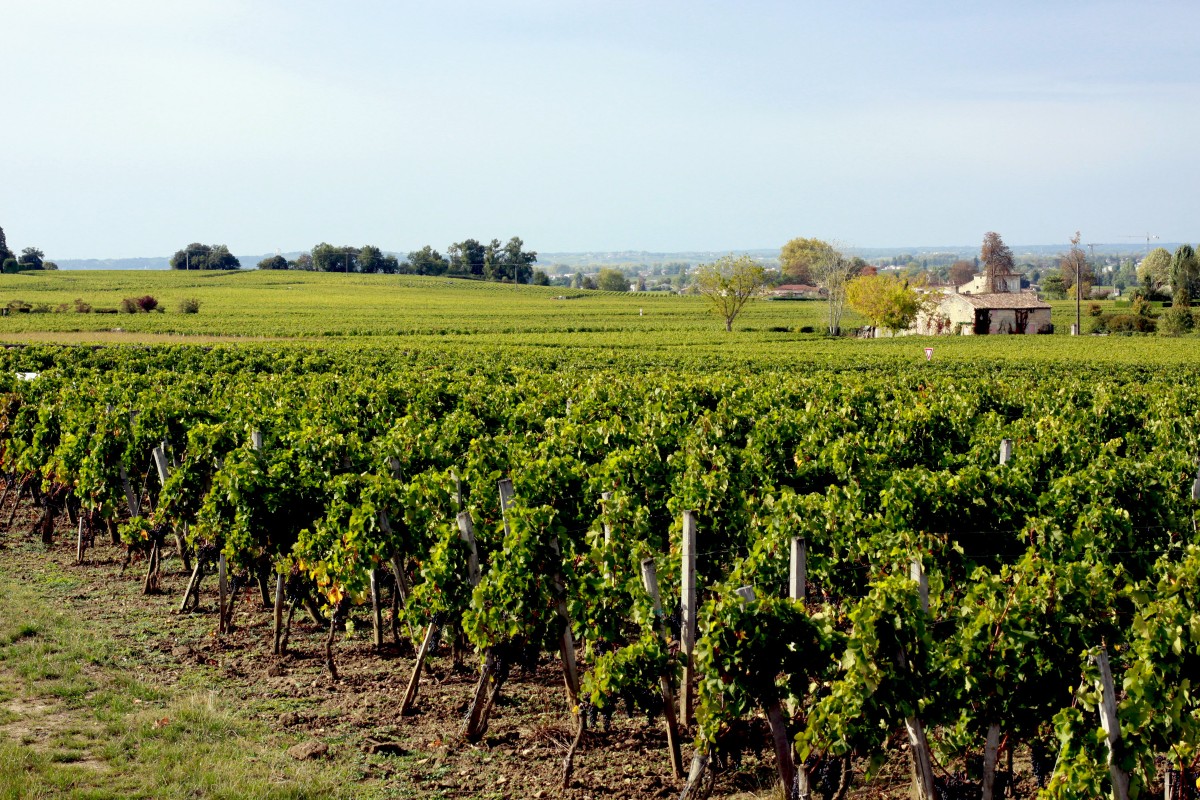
(991, 303)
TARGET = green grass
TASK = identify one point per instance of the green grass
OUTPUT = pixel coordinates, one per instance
(85, 726)
(458, 320)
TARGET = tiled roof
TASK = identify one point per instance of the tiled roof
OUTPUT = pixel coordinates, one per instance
(1004, 300)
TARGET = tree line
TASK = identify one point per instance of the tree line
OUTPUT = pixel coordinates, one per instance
(509, 263)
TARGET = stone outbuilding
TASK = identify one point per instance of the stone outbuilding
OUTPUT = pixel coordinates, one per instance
(988, 313)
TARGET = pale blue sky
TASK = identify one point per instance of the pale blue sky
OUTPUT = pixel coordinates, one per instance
(131, 127)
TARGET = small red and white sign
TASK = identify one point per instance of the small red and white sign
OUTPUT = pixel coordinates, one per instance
(929, 354)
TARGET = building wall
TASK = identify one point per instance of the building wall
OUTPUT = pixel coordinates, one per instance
(961, 316)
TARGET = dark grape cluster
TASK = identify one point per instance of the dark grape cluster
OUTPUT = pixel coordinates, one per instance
(1043, 762)
(1185, 785)
(825, 775)
(957, 786)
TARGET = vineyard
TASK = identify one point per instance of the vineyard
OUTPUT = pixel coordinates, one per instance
(989, 571)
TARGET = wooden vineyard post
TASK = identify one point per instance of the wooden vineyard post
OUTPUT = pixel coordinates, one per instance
(798, 569)
(687, 616)
(506, 495)
(650, 581)
(80, 543)
(1112, 727)
(223, 589)
(604, 498)
(991, 745)
(566, 639)
(376, 612)
(922, 761)
(277, 617)
(163, 467)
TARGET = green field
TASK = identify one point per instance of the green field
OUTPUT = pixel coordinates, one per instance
(456, 317)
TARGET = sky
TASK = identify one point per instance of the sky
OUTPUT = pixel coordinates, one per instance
(133, 127)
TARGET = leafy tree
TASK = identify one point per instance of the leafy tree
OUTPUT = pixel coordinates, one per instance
(302, 262)
(540, 278)
(427, 261)
(730, 283)
(466, 258)
(31, 258)
(274, 262)
(887, 301)
(612, 280)
(1054, 287)
(370, 259)
(518, 261)
(10, 266)
(203, 256)
(1185, 275)
(1154, 273)
(997, 258)
(49, 265)
(5, 253)
(961, 272)
(799, 258)
(327, 258)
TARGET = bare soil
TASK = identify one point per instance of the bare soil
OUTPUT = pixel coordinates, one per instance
(418, 755)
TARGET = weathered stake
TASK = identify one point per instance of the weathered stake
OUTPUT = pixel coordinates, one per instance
(410, 692)
(223, 590)
(650, 581)
(376, 611)
(1112, 727)
(280, 584)
(687, 616)
(922, 761)
(798, 571)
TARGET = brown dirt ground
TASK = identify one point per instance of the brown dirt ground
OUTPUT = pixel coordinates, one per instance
(521, 755)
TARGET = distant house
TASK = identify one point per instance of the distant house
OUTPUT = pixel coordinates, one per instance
(988, 313)
(796, 291)
(990, 303)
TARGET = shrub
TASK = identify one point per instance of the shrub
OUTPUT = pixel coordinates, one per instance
(19, 307)
(82, 307)
(1094, 309)
(806, 329)
(147, 303)
(1177, 321)
(1129, 323)
(189, 305)
(129, 305)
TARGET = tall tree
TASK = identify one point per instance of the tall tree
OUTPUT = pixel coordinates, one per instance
(427, 261)
(833, 272)
(1076, 275)
(1185, 274)
(799, 257)
(5, 253)
(370, 259)
(273, 262)
(730, 283)
(961, 272)
(612, 280)
(997, 261)
(466, 258)
(519, 261)
(1154, 273)
(31, 258)
(887, 301)
(327, 258)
